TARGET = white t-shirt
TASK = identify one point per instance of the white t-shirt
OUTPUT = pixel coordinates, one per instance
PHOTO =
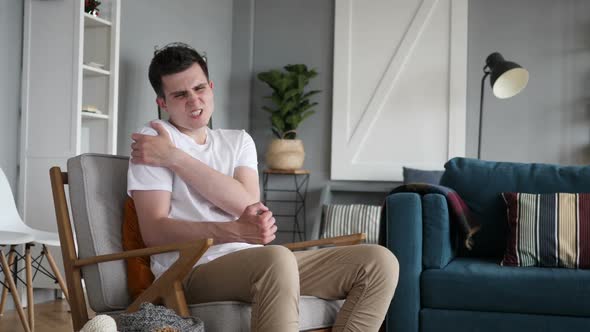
(224, 150)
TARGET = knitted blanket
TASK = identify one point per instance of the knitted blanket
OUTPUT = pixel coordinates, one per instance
(152, 318)
(460, 214)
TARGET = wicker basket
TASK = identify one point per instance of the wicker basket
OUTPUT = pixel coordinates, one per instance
(285, 154)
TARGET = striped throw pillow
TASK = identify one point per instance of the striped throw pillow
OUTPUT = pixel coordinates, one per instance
(548, 230)
(340, 219)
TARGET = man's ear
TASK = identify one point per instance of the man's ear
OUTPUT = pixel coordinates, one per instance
(211, 84)
(161, 103)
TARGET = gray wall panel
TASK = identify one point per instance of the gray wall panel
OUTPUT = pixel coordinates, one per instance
(550, 120)
(11, 39)
(242, 57)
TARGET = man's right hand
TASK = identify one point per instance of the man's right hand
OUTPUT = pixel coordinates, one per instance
(256, 225)
(156, 150)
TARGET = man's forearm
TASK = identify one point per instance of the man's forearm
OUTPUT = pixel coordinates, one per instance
(165, 231)
(223, 191)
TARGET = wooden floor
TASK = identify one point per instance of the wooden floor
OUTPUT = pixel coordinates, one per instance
(49, 317)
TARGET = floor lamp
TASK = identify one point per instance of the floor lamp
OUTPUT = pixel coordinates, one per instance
(507, 79)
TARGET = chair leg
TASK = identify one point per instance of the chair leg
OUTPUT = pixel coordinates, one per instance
(4, 289)
(30, 299)
(56, 272)
(14, 293)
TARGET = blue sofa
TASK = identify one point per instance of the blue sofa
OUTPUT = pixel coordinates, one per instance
(443, 287)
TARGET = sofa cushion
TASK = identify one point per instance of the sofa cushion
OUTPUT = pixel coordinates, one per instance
(470, 321)
(484, 285)
(549, 230)
(414, 175)
(480, 183)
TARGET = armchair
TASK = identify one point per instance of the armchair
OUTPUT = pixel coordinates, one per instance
(97, 188)
(444, 287)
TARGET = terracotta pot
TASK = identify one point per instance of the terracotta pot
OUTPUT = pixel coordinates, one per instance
(285, 154)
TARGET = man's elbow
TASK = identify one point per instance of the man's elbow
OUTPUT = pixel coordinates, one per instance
(149, 233)
(150, 242)
(148, 239)
(254, 196)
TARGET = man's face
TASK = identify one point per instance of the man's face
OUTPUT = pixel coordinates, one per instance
(188, 99)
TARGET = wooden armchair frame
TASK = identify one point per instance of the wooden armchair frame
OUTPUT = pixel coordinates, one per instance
(168, 288)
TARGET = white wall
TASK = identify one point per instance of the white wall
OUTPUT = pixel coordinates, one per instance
(11, 25)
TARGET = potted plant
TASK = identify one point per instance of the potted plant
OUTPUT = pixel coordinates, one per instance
(91, 7)
(291, 105)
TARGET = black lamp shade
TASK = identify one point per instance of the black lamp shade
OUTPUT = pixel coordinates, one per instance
(507, 78)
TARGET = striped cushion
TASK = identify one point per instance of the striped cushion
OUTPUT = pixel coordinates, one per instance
(349, 219)
(549, 230)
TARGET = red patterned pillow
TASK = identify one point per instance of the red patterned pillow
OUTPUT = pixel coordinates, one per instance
(548, 230)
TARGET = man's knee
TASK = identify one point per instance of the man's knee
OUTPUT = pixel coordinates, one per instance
(279, 262)
(381, 262)
(277, 255)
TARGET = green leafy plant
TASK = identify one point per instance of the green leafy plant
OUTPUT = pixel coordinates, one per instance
(291, 104)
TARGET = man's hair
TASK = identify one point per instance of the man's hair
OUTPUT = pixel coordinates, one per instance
(171, 59)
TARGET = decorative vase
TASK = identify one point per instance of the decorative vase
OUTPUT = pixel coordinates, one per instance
(285, 154)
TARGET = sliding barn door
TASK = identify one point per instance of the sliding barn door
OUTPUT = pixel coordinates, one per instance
(399, 86)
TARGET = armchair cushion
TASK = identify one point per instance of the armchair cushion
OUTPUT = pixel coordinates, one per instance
(97, 196)
(483, 285)
(222, 316)
(549, 230)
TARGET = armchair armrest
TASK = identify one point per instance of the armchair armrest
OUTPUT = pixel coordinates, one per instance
(168, 287)
(335, 241)
(141, 252)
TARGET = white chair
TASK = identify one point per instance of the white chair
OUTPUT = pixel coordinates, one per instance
(14, 239)
(10, 221)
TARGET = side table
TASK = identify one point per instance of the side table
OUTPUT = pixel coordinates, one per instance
(294, 193)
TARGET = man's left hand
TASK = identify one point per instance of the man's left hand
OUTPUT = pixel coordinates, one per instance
(153, 150)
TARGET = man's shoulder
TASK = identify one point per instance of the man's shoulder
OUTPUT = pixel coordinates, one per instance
(148, 130)
(230, 135)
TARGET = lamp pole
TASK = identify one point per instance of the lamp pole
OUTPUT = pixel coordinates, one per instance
(485, 75)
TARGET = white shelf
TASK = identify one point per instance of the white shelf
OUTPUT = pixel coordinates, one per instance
(87, 115)
(93, 71)
(52, 137)
(91, 21)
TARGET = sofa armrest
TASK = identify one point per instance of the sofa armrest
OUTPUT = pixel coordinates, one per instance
(402, 220)
(438, 248)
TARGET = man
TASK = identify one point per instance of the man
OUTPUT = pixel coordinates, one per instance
(190, 182)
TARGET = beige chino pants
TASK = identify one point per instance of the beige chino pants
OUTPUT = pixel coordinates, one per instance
(271, 278)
